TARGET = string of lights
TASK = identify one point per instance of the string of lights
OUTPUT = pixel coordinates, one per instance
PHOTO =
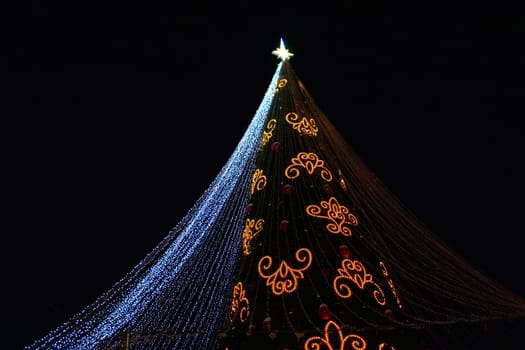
(175, 297)
(334, 258)
(296, 244)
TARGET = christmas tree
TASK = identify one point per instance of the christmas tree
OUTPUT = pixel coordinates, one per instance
(296, 244)
(332, 260)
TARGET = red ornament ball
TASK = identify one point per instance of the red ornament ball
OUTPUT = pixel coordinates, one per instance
(267, 324)
(327, 188)
(288, 190)
(344, 251)
(283, 226)
(324, 312)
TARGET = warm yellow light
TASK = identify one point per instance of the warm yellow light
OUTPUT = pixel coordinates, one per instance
(285, 278)
(282, 52)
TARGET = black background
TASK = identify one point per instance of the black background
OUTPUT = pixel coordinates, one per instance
(118, 117)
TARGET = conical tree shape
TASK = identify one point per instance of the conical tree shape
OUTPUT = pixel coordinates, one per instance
(296, 244)
(332, 260)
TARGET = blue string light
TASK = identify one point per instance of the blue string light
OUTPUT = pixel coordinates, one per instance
(178, 296)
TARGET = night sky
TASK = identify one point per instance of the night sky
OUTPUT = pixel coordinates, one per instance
(124, 115)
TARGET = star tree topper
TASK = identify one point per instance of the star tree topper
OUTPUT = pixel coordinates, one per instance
(282, 52)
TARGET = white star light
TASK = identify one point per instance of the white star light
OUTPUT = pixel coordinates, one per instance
(282, 52)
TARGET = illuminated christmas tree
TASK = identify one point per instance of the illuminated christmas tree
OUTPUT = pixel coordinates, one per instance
(296, 244)
(332, 260)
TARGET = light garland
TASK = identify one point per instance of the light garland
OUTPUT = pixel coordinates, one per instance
(288, 194)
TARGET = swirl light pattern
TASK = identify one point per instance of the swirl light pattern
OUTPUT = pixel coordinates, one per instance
(285, 279)
(258, 181)
(302, 125)
(390, 283)
(334, 338)
(251, 230)
(240, 304)
(282, 83)
(355, 271)
(309, 161)
(338, 214)
(268, 132)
